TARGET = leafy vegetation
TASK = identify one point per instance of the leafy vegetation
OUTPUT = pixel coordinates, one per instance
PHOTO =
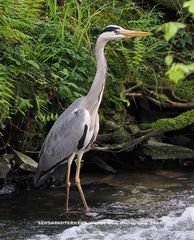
(180, 55)
(47, 61)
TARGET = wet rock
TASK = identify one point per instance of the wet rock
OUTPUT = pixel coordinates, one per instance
(103, 165)
(181, 140)
(158, 150)
(24, 162)
(5, 167)
(7, 189)
(170, 174)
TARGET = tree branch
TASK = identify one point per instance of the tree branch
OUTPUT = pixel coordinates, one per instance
(167, 104)
(126, 146)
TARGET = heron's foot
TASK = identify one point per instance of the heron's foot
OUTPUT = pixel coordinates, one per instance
(87, 209)
(68, 211)
(66, 208)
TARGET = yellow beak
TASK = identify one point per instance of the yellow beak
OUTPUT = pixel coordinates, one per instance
(129, 33)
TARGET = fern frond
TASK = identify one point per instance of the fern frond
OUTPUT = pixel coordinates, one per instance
(6, 93)
(18, 17)
(138, 52)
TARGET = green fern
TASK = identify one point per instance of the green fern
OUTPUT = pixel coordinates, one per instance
(134, 58)
(42, 108)
(139, 52)
(23, 105)
(6, 94)
(16, 18)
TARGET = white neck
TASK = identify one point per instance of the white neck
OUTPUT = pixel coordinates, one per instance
(95, 93)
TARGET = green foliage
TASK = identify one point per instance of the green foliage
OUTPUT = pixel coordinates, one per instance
(6, 94)
(185, 90)
(44, 66)
(47, 60)
(53, 9)
(170, 29)
(23, 105)
(139, 60)
(178, 71)
(180, 56)
(190, 5)
(168, 60)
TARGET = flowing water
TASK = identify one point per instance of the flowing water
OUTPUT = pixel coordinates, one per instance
(139, 206)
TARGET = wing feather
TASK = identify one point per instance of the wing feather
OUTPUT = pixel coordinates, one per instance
(62, 141)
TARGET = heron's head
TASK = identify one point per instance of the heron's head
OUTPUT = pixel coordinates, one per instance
(112, 32)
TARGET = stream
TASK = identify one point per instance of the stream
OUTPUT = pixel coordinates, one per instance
(158, 204)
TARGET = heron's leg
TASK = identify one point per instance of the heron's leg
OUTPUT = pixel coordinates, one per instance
(68, 183)
(77, 181)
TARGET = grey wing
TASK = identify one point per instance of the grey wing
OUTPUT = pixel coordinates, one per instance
(62, 141)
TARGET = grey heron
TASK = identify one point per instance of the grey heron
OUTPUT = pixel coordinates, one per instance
(77, 127)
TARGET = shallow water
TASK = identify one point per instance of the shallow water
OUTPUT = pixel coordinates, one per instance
(156, 205)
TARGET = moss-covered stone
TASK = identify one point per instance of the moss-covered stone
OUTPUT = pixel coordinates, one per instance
(133, 128)
(168, 124)
(157, 150)
(185, 90)
(163, 98)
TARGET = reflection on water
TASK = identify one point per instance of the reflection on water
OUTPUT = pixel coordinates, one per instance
(124, 206)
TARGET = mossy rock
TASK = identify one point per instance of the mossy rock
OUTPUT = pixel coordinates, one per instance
(158, 151)
(169, 124)
(185, 90)
(133, 128)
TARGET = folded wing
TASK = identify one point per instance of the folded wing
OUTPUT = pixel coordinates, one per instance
(64, 139)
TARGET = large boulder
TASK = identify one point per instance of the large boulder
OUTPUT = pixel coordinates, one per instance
(24, 162)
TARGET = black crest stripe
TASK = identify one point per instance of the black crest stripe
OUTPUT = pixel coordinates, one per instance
(82, 139)
(109, 29)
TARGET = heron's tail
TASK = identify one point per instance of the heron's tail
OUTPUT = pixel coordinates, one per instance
(42, 175)
(40, 178)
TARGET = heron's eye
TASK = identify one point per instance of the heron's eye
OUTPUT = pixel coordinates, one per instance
(116, 31)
